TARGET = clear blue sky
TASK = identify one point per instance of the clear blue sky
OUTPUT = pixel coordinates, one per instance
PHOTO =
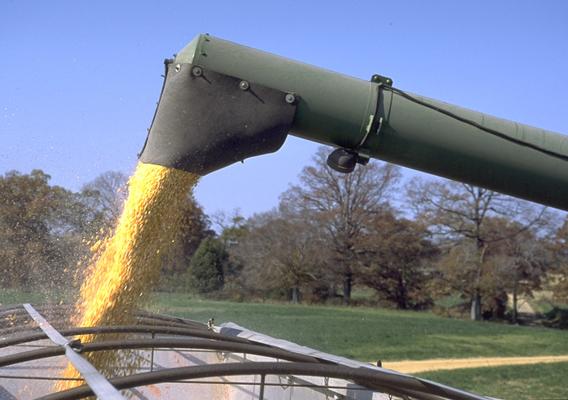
(79, 79)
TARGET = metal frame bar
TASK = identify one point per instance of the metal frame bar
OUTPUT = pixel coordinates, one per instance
(296, 381)
(57, 314)
(368, 378)
(96, 382)
(31, 337)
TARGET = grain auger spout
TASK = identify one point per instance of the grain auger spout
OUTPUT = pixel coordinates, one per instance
(223, 102)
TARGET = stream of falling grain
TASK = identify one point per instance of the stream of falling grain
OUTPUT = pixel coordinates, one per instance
(126, 265)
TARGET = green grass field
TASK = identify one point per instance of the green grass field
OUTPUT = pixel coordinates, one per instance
(369, 334)
(522, 382)
(16, 296)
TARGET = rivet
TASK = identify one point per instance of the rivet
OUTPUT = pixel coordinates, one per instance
(196, 71)
(290, 98)
(244, 85)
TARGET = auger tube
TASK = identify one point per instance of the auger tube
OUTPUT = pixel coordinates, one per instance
(370, 118)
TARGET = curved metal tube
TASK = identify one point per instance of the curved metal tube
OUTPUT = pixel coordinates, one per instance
(153, 343)
(142, 321)
(384, 381)
(124, 329)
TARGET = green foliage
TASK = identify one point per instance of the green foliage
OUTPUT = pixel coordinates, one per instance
(208, 266)
(519, 382)
(369, 334)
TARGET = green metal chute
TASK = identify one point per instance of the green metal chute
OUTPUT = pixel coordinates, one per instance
(365, 118)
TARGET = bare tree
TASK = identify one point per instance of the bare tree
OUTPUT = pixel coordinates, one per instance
(281, 250)
(560, 248)
(230, 226)
(521, 265)
(41, 227)
(343, 204)
(458, 213)
(107, 193)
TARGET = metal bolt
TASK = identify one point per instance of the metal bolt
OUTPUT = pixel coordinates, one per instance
(178, 67)
(244, 85)
(197, 71)
(290, 98)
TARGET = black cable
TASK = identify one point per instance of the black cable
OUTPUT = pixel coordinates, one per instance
(450, 114)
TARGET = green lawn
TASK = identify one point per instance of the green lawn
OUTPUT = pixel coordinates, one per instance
(369, 334)
(17, 296)
(522, 382)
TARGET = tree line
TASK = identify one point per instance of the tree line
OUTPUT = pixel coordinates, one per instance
(410, 242)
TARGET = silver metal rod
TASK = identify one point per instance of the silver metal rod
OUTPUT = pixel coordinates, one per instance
(101, 387)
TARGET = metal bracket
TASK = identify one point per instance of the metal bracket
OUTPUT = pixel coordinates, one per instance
(343, 159)
(206, 120)
(376, 78)
(376, 123)
(381, 81)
